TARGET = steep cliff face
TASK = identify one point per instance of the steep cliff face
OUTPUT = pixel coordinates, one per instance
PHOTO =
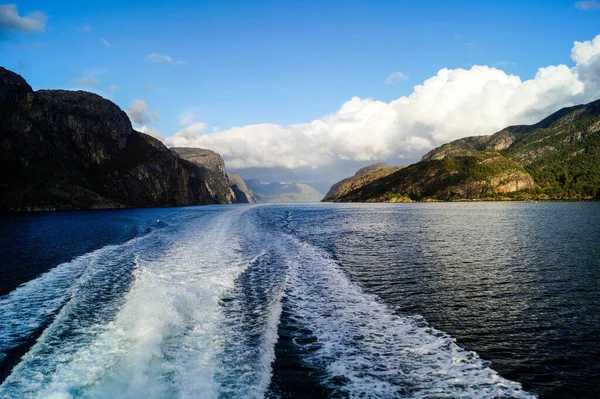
(361, 178)
(243, 194)
(228, 187)
(212, 167)
(77, 150)
(202, 157)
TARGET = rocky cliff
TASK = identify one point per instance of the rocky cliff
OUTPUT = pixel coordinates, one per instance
(361, 178)
(228, 187)
(76, 150)
(212, 167)
(556, 158)
(242, 192)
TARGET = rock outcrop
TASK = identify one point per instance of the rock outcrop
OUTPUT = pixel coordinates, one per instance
(362, 177)
(76, 150)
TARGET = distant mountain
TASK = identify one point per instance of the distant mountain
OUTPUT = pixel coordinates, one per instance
(283, 192)
(556, 158)
(218, 180)
(76, 150)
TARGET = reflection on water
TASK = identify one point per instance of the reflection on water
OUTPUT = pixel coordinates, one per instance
(517, 283)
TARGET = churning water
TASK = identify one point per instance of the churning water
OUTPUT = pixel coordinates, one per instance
(407, 301)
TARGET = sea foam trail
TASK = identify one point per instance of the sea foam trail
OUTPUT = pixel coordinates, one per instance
(164, 340)
(365, 349)
(33, 305)
(251, 317)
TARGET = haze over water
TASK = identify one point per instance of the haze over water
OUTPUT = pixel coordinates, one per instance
(417, 300)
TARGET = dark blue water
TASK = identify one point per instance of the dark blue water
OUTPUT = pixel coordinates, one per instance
(372, 300)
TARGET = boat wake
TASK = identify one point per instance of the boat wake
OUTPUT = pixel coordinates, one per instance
(199, 308)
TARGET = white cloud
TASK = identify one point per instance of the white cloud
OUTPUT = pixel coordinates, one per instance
(588, 5)
(155, 57)
(86, 82)
(162, 58)
(105, 42)
(112, 89)
(87, 28)
(149, 86)
(140, 114)
(189, 115)
(452, 104)
(394, 77)
(11, 20)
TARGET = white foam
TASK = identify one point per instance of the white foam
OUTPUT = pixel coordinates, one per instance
(34, 303)
(368, 349)
(164, 340)
(252, 314)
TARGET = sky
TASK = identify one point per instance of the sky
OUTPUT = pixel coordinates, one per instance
(310, 91)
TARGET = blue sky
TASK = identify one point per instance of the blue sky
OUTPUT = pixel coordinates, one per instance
(241, 63)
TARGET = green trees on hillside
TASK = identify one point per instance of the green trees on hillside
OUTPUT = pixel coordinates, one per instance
(563, 160)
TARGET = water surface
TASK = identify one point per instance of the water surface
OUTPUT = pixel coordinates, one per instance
(326, 300)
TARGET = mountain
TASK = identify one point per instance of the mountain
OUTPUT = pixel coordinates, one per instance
(76, 150)
(283, 192)
(213, 170)
(362, 177)
(243, 194)
(227, 187)
(556, 158)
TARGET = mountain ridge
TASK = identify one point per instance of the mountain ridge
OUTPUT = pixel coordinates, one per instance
(556, 158)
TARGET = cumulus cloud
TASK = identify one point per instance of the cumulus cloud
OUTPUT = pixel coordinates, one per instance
(588, 5)
(452, 104)
(30, 23)
(140, 114)
(394, 77)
